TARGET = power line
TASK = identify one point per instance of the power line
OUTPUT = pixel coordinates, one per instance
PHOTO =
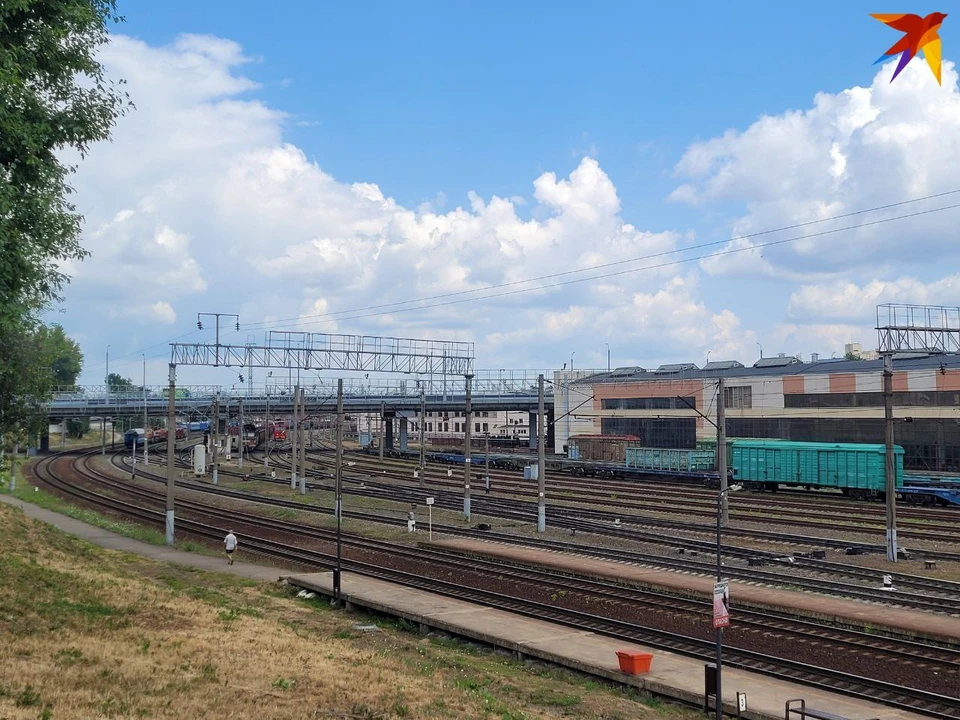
(364, 311)
(615, 263)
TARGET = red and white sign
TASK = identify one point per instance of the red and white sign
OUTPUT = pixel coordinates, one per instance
(721, 604)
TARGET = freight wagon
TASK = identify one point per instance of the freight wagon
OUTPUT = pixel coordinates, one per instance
(858, 470)
(662, 460)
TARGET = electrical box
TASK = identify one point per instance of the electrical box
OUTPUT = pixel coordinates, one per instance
(531, 472)
(199, 460)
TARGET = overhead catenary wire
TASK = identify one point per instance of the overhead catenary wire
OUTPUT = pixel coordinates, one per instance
(395, 306)
(336, 315)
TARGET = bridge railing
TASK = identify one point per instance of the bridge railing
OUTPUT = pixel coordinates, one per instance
(497, 383)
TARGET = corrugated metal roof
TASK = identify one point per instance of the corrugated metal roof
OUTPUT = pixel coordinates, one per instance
(722, 365)
(676, 367)
(792, 444)
(776, 362)
(902, 361)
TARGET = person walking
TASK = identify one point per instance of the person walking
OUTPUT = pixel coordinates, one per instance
(230, 545)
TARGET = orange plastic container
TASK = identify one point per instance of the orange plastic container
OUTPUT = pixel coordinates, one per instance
(634, 663)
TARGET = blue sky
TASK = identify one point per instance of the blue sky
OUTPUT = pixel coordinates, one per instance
(430, 101)
(430, 97)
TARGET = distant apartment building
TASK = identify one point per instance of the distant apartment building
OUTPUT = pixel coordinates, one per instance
(855, 352)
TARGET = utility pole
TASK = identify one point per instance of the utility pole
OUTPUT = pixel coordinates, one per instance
(722, 453)
(146, 429)
(216, 439)
(383, 425)
(240, 436)
(423, 424)
(103, 419)
(891, 467)
(466, 454)
(171, 450)
(486, 461)
(293, 439)
(338, 507)
(267, 429)
(541, 461)
(303, 444)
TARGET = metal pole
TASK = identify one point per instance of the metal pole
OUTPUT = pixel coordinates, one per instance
(267, 430)
(240, 435)
(722, 454)
(891, 472)
(293, 440)
(486, 462)
(303, 444)
(466, 453)
(541, 461)
(146, 443)
(383, 426)
(216, 432)
(721, 496)
(423, 422)
(171, 449)
(339, 483)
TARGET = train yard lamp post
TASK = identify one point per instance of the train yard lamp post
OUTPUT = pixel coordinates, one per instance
(266, 455)
(720, 622)
(541, 460)
(608, 356)
(171, 452)
(146, 445)
(338, 503)
(103, 419)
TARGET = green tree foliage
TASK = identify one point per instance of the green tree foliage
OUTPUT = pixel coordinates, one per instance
(25, 379)
(116, 383)
(67, 360)
(78, 427)
(54, 101)
(53, 96)
(37, 358)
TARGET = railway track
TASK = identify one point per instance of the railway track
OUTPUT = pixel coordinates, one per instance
(606, 522)
(896, 695)
(928, 593)
(936, 525)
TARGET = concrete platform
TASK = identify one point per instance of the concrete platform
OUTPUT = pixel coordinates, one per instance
(920, 624)
(671, 675)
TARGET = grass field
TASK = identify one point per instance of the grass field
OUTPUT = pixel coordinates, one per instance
(90, 633)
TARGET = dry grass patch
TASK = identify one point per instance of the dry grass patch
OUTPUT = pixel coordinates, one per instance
(90, 633)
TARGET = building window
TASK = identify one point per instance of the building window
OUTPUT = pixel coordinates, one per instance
(651, 403)
(476, 427)
(486, 427)
(446, 415)
(674, 433)
(738, 397)
(446, 427)
(429, 427)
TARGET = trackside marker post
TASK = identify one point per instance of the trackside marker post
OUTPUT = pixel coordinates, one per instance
(430, 518)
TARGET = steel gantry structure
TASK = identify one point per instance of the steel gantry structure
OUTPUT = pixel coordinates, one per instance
(317, 352)
(904, 330)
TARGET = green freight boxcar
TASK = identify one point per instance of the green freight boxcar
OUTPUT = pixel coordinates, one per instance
(856, 469)
(667, 460)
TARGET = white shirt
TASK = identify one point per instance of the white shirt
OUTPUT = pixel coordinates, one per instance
(231, 541)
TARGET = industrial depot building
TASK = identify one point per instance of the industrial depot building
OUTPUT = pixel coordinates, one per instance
(675, 406)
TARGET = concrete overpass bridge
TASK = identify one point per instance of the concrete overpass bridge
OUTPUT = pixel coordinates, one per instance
(395, 401)
(491, 390)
